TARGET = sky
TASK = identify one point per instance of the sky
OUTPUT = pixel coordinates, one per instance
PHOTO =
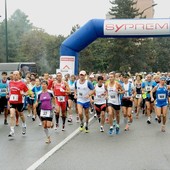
(57, 17)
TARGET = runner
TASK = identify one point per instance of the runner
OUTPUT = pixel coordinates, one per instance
(61, 90)
(100, 101)
(47, 103)
(127, 101)
(47, 78)
(161, 101)
(36, 90)
(71, 100)
(83, 90)
(147, 86)
(3, 100)
(17, 89)
(138, 94)
(114, 89)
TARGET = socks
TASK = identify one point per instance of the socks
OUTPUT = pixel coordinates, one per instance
(57, 119)
(46, 132)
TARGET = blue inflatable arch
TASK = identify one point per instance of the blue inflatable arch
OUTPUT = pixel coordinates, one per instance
(112, 28)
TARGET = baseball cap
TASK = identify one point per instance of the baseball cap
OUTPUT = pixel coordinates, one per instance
(163, 78)
(91, 76)
(82, 72)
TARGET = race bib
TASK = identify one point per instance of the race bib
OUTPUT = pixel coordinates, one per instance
(99, 96)
(138, 96)
(126, 94)
(3, 90)
(113, 96)
(13, 97)
(45, 113)
(148, 88)
(161, 96)
(80, 94)
(61, 98)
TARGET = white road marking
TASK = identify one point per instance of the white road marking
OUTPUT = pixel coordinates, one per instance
(52, 151)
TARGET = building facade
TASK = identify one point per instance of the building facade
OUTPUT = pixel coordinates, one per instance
(146, 7)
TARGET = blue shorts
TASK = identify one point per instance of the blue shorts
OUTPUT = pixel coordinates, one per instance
(159, 105)
(85, 105)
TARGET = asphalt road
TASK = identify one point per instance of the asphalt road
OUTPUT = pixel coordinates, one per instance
(144, 147)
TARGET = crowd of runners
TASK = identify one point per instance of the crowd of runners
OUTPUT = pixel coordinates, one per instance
(108, 96)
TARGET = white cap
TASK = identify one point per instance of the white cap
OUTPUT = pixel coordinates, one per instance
(82, 72)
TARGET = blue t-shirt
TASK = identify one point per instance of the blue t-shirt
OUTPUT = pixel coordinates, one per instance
(3, 88)
(148, 86)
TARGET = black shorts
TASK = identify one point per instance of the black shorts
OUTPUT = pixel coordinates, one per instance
(71, 97)
(47, 119)
(99, 108)
(19, 107)
(115, 107)
(30, 101)
(149, 100)
(127, 102)
(3, 103)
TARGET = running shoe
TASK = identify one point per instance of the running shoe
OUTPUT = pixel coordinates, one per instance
(156, 118)
(163, 128)
(56, 126)
(5, 122)
(101, 129)
(111, 131)
(149, 120)
(11, 134)
(48, 140)
(86, 129)
(95, 115)
(117, 130)
(40, 124)
(63, 128)
(33, 117)
(81, 127)
(159, 120)
(24, 130)
(70, 120)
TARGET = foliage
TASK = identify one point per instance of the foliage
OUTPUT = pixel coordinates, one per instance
(29, 43)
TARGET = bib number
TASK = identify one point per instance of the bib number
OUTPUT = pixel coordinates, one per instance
(61, 98)
(112, 96)
(126, 94)
(161, 96)
(45, 113)
(138, 96)
(80, 94)
(3, 90)
(14, 97)
(148, 88)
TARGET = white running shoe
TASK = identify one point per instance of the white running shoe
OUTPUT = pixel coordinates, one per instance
(101, 129)
(24, 130)
(11, 134)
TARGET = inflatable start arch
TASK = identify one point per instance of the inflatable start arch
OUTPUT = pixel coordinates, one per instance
(114, 28)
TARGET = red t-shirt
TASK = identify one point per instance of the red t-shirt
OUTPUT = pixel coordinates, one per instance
(59, 89)
(16, 88)
(50, 84)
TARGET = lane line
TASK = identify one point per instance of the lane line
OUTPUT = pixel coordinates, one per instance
(53, 150)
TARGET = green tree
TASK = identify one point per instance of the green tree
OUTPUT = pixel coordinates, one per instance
(18, 25)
